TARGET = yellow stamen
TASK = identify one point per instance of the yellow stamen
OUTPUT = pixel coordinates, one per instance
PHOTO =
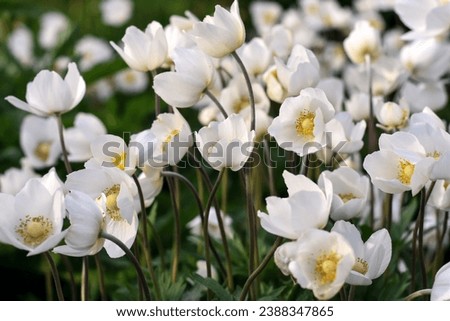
(169, 138)
(119, 161)
(241, 104)
(361, 266)
(34, 230)
(42, 150)
(304, 125)
(405, 171)
(112, 209)
(436, 155)
(130, 78)
(326, 266)
(446, 184)
(347, 197)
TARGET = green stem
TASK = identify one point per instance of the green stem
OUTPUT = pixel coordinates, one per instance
(260, 268)
(351, 293)
(63, 144)
(146, 245)
(68, 265)
(133, 260)
(85, 279)
(417, 294)
(177, 225)
(251, 95)
(268, 163)
(101, 277)
(157, 98)
(55, 274)
(216, 102)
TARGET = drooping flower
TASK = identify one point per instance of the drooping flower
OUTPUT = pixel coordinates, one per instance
(364, 40)
(372, 257)
(49, 94)
(226, 144)
(220, 34)
(143, 50)
(319, 260)
(308, 206)
(300, 126)
(33, 219)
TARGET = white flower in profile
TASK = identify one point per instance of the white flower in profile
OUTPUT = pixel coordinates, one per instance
(143, 50)
(346, 137)
(86, 224)
(226, 144)
(118, 191)
(427, 116)
(116, 12)
(167, 141)
(320, 262)
(196, 227)
(308, 206)
(194, 72)
(33, 219)
(280, 41)
(20, 45)
(431, 94)
(372, 257)
(265, 15)
(350, 193)
(263, 121)
(300, 126)
(220, 34)
(426, 60)
(255, 48)
(14, 179)
(441, 286)
(440, 196)
(151, 182)
(400, 165)
(92, 51)
(358, 106)
(49, 94)
(363, 40)
(334, 90)
(111, 151)
(274, 88)
(302, 70)
(130, 81)
(39, 141)
(391, 115)
(86, 128)
(54, 25)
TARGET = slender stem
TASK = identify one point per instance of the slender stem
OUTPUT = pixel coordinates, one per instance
(69, 269)
(63, 144)
(224, 190)
(55, 274)
(268, 163)
(260, 268)
(133, 260)
(417, 294)
(439, 249)
(146, 245)
(388, 211)
(217, 102)
(157, 98)
(85, 279)
(372, 134)
(177, 225)
(351, 293)
(101, 278)
(206, 221)
(251, 95)
(421, 220)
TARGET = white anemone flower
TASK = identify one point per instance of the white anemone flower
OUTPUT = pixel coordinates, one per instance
(116, 12)
(308, 206)
(39, 141)
(430, 94)
(345, 136)
(151, 182)
(118, 191)
(265, 15)
(320, 262)
(33, 219)
(441, 286)
(220, 34)
(364, 40)
(226, 144)
(358, 106)
(302, 70)
(14, 179)
(196, 227)
(372, 257)
(391, 115)
(280, 41)
(255, 48)
(194, 72)
(350, 193)
(130, 81)
(400, 165)
(92, 51)
(300, 126)
(440, 196)
(49, 94)
(86, 224)
(86, 128)
(144, 50)
(427, 116)
(20, 45)
(53, 26)
(203, 272)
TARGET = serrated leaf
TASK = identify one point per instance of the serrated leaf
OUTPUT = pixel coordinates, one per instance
(214, 286)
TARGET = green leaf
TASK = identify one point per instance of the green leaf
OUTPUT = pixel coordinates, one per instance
(214, 286)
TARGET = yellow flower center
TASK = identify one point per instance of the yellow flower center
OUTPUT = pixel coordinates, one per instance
(269, 18)
(304, 125)
(241, 104)
(405, 171)
(119, 160)
(446, 184)
(361, 266)
(34, 230)
(326, 266)
(42, 150)
(130, 78)
(169, 138)
(347, 197)
(436, 155)
(112, 209)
